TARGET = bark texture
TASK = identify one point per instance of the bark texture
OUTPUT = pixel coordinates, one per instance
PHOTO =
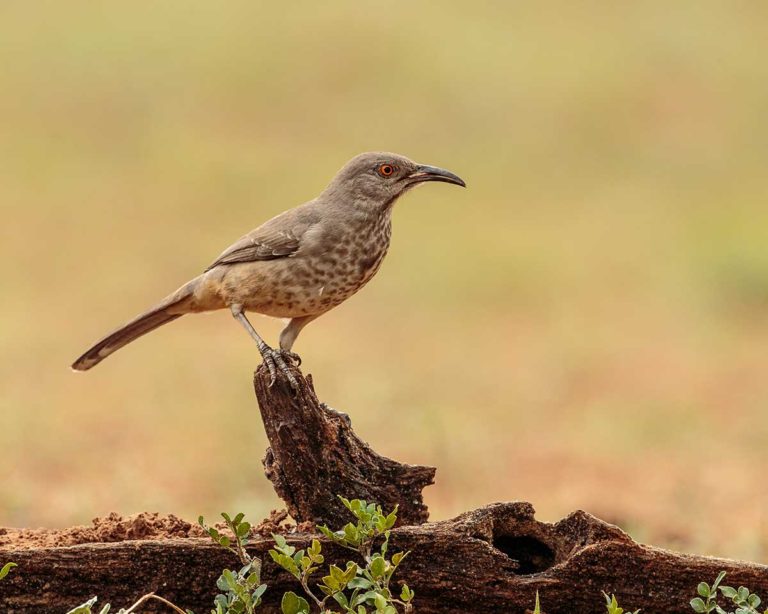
(314, 455)
(490, 560)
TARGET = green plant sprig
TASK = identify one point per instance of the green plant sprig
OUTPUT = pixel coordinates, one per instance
(746, 602)
(369, 583)
(242, 590)
(612, 605)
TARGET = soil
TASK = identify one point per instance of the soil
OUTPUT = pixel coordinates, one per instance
(117, 528)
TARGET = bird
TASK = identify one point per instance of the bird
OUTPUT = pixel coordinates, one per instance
(297, 265)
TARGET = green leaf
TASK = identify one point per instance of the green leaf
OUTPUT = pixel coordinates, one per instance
(221, 600)
(717, 581)
(350, 572)
(332, 583)
(85, 608)
(297, 558)
(359, 582)
(293, 604)
(612, 605)
(377, 567)
(230, 578)
(221, 583)
(743, 593)
(407, 595)
(697, 603)
(380, 602)
(703, 589)
(341, 599)
(336, 573)
(243, 529)
(279, 540)
(314, 549)
(6, 569)
(368, 597)
(285, 562)
(351, 533)
(260, 590)
(391, 519)
(728, 591)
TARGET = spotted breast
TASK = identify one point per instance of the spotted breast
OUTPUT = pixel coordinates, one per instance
(352, 262)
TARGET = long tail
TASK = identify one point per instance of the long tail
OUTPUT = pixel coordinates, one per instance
(169, 309)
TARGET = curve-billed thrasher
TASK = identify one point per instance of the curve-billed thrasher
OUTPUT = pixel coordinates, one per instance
(297, 265)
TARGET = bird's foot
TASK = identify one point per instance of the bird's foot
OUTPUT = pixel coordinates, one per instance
(276, 361)
(292, 356)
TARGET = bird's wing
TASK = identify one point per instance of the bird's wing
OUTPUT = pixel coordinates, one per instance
(280, 237)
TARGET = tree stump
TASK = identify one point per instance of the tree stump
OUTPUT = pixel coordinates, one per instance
(315, 456)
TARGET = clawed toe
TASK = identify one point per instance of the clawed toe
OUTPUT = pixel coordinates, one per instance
(275, 361)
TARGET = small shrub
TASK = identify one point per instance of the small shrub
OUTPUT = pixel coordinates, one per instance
(242, 589)
(612, 605)
(746, 601)
(358, 588)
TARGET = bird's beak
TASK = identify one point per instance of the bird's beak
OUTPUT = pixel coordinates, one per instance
(432, 173)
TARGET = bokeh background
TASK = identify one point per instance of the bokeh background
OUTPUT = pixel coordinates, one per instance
(586, 326)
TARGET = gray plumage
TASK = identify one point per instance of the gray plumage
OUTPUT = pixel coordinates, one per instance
(297, 265)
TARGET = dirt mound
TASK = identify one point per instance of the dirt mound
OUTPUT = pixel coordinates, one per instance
(116, 528)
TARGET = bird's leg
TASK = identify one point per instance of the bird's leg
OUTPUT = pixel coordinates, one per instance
(289, 334)
(274, 359)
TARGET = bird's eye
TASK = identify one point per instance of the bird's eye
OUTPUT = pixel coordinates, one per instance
(386, 170)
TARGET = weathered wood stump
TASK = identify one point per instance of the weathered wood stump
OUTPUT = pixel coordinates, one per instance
(314, 456)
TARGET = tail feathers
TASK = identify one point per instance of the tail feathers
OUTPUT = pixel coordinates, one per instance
(122, 336)
(168, 310)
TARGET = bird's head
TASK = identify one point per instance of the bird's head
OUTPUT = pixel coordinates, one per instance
(379, 178)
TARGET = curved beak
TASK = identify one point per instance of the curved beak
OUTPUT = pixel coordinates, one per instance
(433, 173)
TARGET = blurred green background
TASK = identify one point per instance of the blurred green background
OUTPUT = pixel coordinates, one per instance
(584, 327)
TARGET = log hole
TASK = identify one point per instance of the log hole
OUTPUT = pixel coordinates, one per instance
(532, 554)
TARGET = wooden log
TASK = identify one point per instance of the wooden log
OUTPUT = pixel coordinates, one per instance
(314, 456)
(490, 560)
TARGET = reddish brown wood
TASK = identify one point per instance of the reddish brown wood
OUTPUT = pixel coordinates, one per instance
(491, 560)
(314, 456)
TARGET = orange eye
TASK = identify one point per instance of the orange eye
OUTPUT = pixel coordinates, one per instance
(386, 170)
